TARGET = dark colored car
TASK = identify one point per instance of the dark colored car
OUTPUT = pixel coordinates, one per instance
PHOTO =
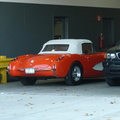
(112, 66)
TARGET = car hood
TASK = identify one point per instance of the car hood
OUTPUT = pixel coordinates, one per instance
(114, 49)
(38, 61)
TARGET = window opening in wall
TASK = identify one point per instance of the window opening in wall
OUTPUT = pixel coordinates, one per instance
(108, 32)
(60, 27)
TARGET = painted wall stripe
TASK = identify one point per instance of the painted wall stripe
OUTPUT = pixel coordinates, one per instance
(87, 3)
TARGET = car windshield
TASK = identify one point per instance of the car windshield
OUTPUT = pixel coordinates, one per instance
(56, 47)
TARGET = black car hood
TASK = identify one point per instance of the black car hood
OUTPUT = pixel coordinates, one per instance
(114, 49)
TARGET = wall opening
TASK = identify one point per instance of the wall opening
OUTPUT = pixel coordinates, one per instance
(60, 27)
(108, 32)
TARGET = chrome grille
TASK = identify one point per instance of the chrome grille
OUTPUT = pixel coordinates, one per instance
(118, 55)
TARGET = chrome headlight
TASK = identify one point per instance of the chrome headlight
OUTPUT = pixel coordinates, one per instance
(108, 56)
(111, 56)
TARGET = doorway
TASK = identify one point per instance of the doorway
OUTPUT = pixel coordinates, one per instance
(108, 32)
(60, 27)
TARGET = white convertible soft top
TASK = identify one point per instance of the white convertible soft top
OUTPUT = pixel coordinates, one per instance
(75, 45)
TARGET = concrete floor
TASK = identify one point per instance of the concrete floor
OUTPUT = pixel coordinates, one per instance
(54, 100)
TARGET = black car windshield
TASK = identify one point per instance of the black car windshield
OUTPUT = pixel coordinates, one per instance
(56, 47)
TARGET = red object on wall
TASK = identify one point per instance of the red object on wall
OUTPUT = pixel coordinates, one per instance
(99, 18)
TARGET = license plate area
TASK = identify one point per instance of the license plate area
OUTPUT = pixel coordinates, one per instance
(29, 70)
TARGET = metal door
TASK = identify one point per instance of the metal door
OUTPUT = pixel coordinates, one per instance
(108, 32)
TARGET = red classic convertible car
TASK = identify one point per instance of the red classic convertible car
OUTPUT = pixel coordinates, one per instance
(71, 59)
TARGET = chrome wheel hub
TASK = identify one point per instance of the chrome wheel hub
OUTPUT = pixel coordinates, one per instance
(76, 73)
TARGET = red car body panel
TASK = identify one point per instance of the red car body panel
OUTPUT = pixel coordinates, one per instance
(62, 67)
(56, 64)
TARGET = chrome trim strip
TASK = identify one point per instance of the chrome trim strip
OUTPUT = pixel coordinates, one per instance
(38, 69)
(43, 69)
(53, 70)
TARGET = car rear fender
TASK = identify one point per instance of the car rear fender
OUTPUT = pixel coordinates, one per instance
(78, 63)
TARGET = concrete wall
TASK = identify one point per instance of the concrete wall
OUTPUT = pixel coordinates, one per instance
(24, 27)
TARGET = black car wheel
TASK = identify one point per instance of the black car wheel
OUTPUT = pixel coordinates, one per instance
(28, 81)
(74, 76)
(113, 81)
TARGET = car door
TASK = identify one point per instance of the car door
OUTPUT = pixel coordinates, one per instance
(93, 65)
(92, 61)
